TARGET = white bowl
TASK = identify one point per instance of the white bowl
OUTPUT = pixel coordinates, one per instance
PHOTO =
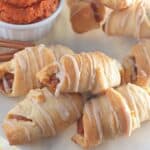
(29, 32)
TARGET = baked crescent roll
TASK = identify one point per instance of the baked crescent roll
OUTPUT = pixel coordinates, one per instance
(86, 15)
(85, 72)
(137, 64)
(17, 76)
(119, 112)
(41, 115)
(133, 21)
(117, 4)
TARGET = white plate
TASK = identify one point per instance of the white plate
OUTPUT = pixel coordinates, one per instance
(95, 40)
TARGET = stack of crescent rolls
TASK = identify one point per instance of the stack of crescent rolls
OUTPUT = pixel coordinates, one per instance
(56, 82)
(106, 98)
(131, 17)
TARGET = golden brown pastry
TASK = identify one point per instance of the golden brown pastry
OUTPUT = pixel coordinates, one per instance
(86, 15)
(41, 115)
(18, 76)
(133, 21)
(117, 4)
(119, 112)
(137, 64)
(85, 72)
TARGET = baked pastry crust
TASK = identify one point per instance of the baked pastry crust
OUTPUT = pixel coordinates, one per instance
(85, 72)
(137, 64)
(18, 76)
(119, 112)
(117, 4)
(133, 21)
(86, 15)
(41, 115)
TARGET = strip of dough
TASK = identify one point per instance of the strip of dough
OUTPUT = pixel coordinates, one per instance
(117, 4)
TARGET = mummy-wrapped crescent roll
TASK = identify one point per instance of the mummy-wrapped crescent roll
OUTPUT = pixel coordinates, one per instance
(119, 112)
(18, 76)
(41, 115)
(86, 72)
(137, 64)
(86, 15)
(133, 21)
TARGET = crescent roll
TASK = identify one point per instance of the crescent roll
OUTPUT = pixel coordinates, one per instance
(119, 112)
(117, 4)
(137, 64)
(133, 21)
(85, 72)
(41, 115)
(18, 76)
(86, 15)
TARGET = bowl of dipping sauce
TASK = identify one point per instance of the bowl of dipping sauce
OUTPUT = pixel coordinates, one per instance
(28, 20)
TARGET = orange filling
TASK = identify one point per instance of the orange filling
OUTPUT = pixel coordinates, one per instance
(6, 86)
(80, 128)
(98, 16)
(53, 82)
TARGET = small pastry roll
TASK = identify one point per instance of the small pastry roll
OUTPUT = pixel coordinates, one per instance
(137, 64)
(119, 112)
(86, 15)
(41, 115)
(117, 4)
(18, 76)
(133, 21)
(85, 72)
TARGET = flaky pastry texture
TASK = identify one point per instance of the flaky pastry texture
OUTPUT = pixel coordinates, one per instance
(137, 64)
(86, 15)
(117, 113)
(133, 21)
(92, 72)
(41, 115)
(18, 76)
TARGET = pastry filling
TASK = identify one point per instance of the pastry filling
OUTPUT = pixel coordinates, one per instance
(130, 69)
(18, 117)
(53, 82)
(50, 77)
(6, 83)
(80, 128)
(97, 15)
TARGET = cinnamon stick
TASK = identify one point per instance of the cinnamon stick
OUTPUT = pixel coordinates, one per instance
(6, 58)
(16, 46)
